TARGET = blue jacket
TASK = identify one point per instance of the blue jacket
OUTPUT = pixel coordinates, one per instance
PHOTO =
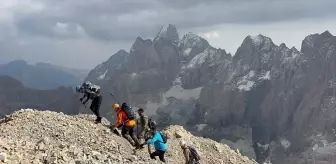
(158, 142)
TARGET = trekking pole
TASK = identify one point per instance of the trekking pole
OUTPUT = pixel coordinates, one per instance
(115, 98)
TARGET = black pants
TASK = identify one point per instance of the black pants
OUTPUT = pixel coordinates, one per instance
(159, 153)
(97, 113)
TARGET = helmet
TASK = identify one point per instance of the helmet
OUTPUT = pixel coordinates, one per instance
(115, 106)
(151, 124)
(78, 88)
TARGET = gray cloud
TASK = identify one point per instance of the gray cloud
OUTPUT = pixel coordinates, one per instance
(124, 20)
(118, 23)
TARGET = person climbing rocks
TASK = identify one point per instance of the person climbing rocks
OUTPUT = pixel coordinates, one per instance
(142, 125)
(89, 91)
(126, 121)
(159, 142)
(95, 106)
(190, 154)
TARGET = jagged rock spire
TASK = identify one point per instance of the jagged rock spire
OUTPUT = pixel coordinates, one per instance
(168, 32)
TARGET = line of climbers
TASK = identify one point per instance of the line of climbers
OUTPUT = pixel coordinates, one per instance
(139, 131)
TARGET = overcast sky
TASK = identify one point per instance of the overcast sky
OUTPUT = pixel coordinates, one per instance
(82, 34)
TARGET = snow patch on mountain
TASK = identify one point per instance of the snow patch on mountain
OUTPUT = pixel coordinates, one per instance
(285, 143)
(257, 40)
(200, 127)
(191, 40)
(163, 31)
(245, 84)
(187, 51)
(183, 94)
(198, 60)
(176, 91)
(101, 77)
(210, 55)
(265, 76)
(265, 147)
(133, 75)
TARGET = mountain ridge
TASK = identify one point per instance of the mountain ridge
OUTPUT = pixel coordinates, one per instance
(259, 92)
(41, 76)
(14, 96)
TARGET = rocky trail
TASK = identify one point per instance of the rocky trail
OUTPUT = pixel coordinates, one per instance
(31, 136)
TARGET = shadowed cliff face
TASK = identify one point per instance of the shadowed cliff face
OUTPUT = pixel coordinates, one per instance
(285, 97)
(283, 94)
(14, 96)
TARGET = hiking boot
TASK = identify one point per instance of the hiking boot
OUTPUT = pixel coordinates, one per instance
(98, 120)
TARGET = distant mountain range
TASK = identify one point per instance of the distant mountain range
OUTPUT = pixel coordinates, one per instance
(269, 101)
(14, 96)
(42, 75)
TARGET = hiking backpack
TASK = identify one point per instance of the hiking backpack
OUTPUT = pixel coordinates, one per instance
(194, 152)
(164, 137)
(129, 111)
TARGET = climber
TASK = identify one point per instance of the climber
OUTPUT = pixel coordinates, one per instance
(159, 142)
(127, 122)
(142, 125)
(95, 105)
(190, 154)
(90, 93)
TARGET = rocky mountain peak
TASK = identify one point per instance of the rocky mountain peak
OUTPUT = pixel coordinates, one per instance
(326, 34)
(317, 41)
(121, 52)
(139, 42)
(283, 45)
(294, 50)
(168, 32)
(118, 57)
(260, 41)
(191, 40)
(255, 50)
(60, 138)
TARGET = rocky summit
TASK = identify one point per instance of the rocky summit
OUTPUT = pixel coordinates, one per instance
(31, 136)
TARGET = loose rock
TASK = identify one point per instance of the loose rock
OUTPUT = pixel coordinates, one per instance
(49, 137)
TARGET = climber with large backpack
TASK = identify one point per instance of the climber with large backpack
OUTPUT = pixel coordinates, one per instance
(126, 121)
(89, 90)
(159, 140)
(190, 153)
